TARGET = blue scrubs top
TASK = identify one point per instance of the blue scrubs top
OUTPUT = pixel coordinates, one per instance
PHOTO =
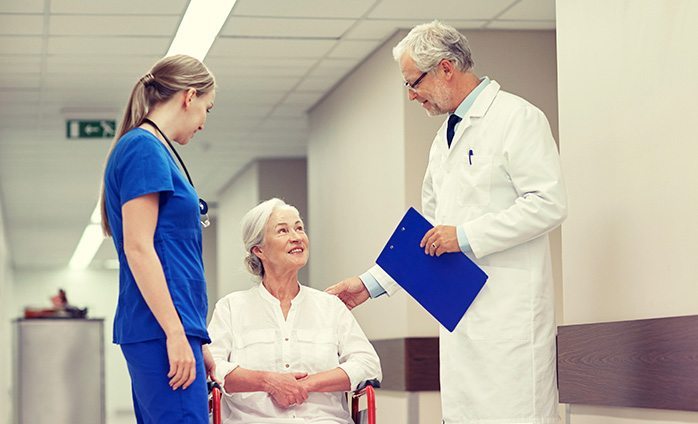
(141, 164)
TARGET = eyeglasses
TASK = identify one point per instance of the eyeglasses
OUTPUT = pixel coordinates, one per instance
(414, 85)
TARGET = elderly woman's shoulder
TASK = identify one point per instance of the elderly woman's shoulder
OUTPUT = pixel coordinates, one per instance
(321, 296)
(240, 296)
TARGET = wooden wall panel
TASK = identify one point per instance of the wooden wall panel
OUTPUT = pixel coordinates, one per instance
(409, 364)
(649, 363)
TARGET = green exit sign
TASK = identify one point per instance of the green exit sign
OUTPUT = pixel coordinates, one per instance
(94, 128)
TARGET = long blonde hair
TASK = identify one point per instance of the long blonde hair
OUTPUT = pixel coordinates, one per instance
(167, 77)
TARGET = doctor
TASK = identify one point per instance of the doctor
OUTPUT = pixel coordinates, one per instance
(494, 189)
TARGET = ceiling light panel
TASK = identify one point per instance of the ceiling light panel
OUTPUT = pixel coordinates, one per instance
(20, 45)
(354, 49)
(125, 7)
(282, 27)
(21, 25)
(243, 49)
(22, 6)
(441, 9)
(89, 25)
(125, 46)
(303, 8)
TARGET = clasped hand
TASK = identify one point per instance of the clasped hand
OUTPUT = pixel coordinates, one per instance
(287, 389)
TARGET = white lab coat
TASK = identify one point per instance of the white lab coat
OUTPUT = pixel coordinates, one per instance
(498, 365)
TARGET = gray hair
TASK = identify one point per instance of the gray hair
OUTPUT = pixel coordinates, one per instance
(428, 44)
(253, 224)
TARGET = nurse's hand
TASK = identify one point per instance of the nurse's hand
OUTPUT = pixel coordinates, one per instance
(285, 389)
(439, 240)
(351, 291)
(209, 364)
(182, 363)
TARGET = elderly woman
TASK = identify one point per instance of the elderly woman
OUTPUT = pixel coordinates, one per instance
(285, 353)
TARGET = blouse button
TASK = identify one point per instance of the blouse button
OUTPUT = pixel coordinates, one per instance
(287, 365)
(286, 339)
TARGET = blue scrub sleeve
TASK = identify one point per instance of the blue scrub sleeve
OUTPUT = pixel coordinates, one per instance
(144, 169)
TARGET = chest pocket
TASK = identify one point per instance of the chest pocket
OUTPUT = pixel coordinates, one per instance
(474, 174)
(318, 349)
(257, 349)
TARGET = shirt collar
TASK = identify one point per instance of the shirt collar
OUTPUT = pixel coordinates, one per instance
(264, 293)
(467, 103)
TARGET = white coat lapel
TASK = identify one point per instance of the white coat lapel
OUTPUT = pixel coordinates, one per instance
(476, 111)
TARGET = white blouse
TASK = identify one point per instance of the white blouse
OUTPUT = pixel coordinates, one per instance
(248, 329)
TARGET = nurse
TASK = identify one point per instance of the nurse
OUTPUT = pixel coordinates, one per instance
(152, 212)
(493, 189)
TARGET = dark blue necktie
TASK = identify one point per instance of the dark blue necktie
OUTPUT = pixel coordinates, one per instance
(451, 130)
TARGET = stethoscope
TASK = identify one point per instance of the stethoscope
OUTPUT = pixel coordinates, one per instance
(203, 206)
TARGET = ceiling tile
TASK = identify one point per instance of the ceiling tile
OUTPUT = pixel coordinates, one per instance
(28, 45)
(440, 9)
(125, 46)
(303, 98)
(134, 66)
(127, 7)
(23, 80)
(113, 25)
(20, 64)
(517, 24)
(539, 10)
(281, 27)
(377, 29)
(318, 83)
(331, 67)
(21, 25)
(302, 8)
(354, 49)
(22, 6)
(243, 48)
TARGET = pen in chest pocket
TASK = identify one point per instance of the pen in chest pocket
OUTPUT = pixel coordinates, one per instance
(470, 157)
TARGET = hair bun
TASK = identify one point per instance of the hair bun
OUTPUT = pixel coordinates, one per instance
(147, 79)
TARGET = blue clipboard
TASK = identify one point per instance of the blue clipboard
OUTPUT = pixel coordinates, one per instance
(445, 285)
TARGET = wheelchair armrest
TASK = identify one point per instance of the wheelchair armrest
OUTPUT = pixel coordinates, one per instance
(213, 385)
(373, 383)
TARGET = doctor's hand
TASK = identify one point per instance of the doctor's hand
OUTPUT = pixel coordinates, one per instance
(439, 240)
(350, 291)
(285, 389)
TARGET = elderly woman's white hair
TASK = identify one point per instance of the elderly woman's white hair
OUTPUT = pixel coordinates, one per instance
(428, 44)
(253, 224)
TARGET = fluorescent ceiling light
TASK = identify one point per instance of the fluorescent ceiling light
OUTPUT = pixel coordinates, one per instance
(90, 242)
(88, 246)
(200, 26)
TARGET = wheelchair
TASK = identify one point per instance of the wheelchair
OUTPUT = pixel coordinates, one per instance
(359, 414)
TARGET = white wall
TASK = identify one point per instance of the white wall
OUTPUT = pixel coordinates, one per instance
(287, 180)
(210, 257)
(234, 201)
(627, 88)
(97, 290)
(367, 155)
(6, 300)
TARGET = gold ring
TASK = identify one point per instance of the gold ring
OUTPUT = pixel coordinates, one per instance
(433, 245)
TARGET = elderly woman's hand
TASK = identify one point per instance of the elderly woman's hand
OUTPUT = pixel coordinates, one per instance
(285, 389)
